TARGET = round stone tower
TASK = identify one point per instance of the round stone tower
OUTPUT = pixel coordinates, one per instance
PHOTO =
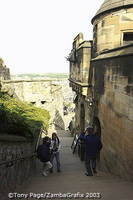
(113, 25)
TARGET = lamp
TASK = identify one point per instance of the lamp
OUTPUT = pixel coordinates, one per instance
(90, 101)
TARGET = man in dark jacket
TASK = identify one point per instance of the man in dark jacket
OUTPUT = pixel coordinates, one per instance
(93, 146)
(43, 153)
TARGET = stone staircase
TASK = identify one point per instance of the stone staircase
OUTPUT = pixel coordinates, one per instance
(72, 179)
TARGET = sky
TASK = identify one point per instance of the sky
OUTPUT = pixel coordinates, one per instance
(37, 35)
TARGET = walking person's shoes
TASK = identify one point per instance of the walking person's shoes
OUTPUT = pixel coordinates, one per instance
(44, 174)
(87, 174)
(58, 170)
(94, 171)
(51, 171)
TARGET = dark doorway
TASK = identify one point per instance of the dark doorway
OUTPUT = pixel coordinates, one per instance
(97, 126)
(97, 130)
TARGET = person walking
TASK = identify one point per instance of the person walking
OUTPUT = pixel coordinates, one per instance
(43, 153)
(55, 148)
(93, 146)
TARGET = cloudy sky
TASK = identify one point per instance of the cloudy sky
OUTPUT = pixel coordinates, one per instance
(37, 35)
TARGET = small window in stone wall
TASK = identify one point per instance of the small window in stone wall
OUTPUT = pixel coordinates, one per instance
(43, 102)
(127, 37)
(33, 102)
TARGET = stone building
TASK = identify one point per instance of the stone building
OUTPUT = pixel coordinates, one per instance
(52, 95)
(108, 104)
(79, 68)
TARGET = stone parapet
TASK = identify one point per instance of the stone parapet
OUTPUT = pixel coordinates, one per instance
(17, 163)
(113, 29)
(112, 5)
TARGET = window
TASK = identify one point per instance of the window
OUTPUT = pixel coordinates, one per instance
(43, 102)
(33, 102)
(127, 37)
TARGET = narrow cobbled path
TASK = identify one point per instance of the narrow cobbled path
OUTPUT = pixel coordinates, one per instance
(72, 180)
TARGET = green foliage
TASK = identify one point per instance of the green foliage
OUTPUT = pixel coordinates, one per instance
(19, 118)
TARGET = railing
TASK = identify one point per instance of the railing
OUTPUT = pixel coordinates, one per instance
(80, 146)
(75, 143)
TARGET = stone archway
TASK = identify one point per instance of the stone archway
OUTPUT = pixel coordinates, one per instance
(82, 117)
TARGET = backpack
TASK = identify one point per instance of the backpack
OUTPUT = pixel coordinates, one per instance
(43, 153)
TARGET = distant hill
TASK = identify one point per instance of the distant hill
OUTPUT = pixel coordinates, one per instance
(39, 76)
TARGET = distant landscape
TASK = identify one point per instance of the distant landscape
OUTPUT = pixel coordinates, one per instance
(39, 76)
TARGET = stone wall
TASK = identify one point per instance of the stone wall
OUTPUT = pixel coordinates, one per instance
(51, 95)
(108, 102)
(109, 29)
(80, 59)
(14, 173)
(113, 95)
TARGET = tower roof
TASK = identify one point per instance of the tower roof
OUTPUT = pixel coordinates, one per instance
(110, 5)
